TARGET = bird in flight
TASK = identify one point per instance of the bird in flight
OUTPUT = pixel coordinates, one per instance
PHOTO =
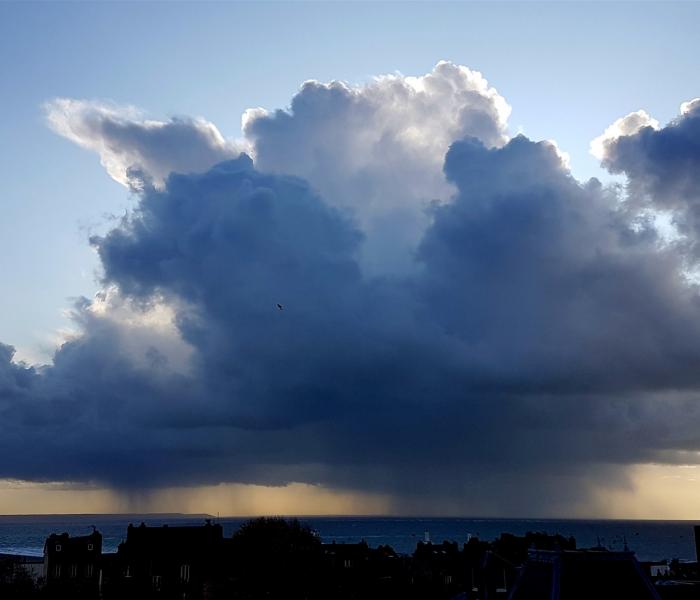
(279, 306)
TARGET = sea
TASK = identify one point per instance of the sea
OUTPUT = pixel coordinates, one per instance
(650, 540)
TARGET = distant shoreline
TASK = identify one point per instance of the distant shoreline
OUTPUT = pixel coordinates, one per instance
(181, 515)
(107, 515)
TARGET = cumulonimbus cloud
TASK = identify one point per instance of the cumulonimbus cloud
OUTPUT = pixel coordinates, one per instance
(533, 339)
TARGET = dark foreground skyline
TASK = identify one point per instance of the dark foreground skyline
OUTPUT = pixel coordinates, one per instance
(650, 540)
(275, 558)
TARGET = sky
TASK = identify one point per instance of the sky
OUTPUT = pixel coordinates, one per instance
(482, 313)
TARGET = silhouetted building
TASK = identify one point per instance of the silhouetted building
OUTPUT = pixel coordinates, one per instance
(167, 562)
(696, 530)
(358, 571)
(73, 563)
(497, 575)
(675, 580)
(582, 575)
(437, 567)
(273, 558)
(346, 557)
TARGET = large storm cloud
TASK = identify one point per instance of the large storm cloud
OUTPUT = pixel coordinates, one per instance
(518, 339)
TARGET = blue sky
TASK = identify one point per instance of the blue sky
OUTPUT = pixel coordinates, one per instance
(567, 69)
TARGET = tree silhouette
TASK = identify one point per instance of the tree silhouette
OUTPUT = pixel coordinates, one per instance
(275, 557)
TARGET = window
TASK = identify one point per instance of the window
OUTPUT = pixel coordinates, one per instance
(58, 547)
(184, 573)
(127, 573)
(347, 563)
(90, 547)
(88, 570)
(74, 571)
(57, 571)
(156, 582)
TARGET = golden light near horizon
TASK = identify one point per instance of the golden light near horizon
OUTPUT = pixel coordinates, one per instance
(23, 498)
(655, 491)
(651, 491)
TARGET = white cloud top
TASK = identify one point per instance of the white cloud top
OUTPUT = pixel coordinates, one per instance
(690, 106)
(624, 126)
(132, 146)
(375, 150)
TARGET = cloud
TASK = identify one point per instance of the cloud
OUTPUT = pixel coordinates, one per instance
(132, 147)
(534, 339)
(690, 106)
(548, 280)
(374, 150)
(662, 166)
(624, 126)
(377, 149)
(661, 163)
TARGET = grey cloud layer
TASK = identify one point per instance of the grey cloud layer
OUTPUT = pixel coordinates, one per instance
(537, 338)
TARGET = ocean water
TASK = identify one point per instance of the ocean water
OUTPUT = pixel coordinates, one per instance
(650, 540)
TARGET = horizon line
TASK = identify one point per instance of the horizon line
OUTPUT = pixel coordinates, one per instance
(337, 516)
